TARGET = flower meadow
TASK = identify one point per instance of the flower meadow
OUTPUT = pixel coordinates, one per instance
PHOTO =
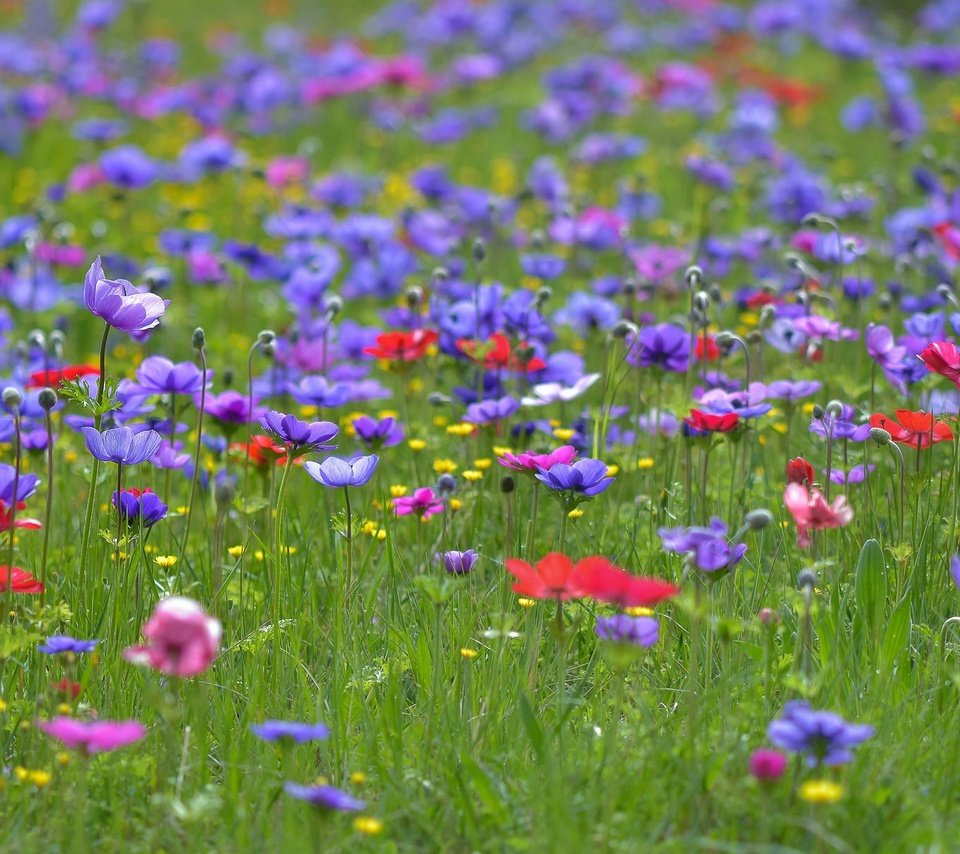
(521, 425)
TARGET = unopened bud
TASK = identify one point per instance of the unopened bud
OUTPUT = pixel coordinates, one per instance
(817, 411)
(834, 408)
(437, 398)
(479, 250)
(542, 295)
(199, 339)
(47, 398)
(701, 300)
(768, 617)
(36, 338)
(446, 484)
(334, 306)
(693, 276)
(807, 578)
(507, 484)
(12, 397)
(266, 337)
(759, 519)
(624, 329)
(880, 436)
(413, 296)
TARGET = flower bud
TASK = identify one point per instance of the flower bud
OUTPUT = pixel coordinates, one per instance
(47, 398)
(266, 337)
(12, 397)
(199, 339)
(693, 276)
(55, 340)
(413, 296)
(334, 306)
(880, 436)
(834, 408)
(807, 578)
(817, 412)
(479, 250)
(446, 484)
(438, 398)
(542, 295)
(36, 338)
(758, 519)
(624, 329)
(768, 616)
(507, 484)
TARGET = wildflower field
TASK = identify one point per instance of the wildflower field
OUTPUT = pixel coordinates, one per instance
(505, 426)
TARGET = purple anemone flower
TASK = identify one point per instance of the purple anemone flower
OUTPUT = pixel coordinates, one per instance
(791, 390)
(487, 411)
(459, 563)
(230, 407)
(384, 433)
(621, 628)
(708, 545)
(122, 445)
(58, 644)
(858, 474)
(337, 473)
(170, 456)
(664, 346)
(26, 484)
(299, 436)
(145, 508)
(824, 738)
(290, 731)
(158, 375)
(119, 303)
(585, 477)
(328, 797)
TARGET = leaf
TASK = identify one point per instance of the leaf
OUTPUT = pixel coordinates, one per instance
(870, 588)
(249, 506)
(532, 726)
(896, 636)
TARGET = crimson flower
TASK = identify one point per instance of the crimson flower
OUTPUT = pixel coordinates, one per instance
(495, 354)
(598, 578)
(800, 471)
(262, 451)
(915, 429)
(23, 581)
(706, 349)
(701, 422)
(402, 346)
(53, 378)
(942, 358)
(554, 577)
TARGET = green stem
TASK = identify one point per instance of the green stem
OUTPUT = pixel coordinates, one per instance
(349, 532)
(196, 455)
(49, 510)
(18, 450)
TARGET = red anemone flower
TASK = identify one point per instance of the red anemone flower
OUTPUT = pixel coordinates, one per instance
(706, 349)
(23, 581)
(22, 522)
(913, 429)
(402, 346)
(942, 358)
(704, 422)
(552, 578)
(53, 378)
(601, 580)
(800, 471)
(262, 451)
(495, 354)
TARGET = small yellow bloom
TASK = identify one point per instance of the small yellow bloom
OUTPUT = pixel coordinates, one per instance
(21, 773)
(444, 466)
(440, 421)
(821, 791)
(40, 778)
(500, 450)
(526, 603)
(182, 509)
(235, 551)
(564, 434)
(149, 549)
(289, 550)
(415, 386)
(472, 475)
(3, 706)
(780, 427)
(388, 413)
(467, 652)
(165, 561)
(398, 490)
(358, 778)
(258, 554)
(64, 709)
(462, 430)
(576, 513)
(321, 781)
(455, 504)
(639, 611)
(416, 444)
(381, 535)
(367, 824)
(645, 463)
(613, 471)
(369, 527)
(808, 408)
(70, 456)
(63, 758)
(482, 464)
(308, 411)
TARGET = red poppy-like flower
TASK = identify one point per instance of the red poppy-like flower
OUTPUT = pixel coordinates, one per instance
(800, 471)
(22, 522)
(552, 578)
(949, 237)
(598, 578)
(23, 581)
(402, 346)
(704, 422)
(495, 354)
(759, 300)
(67, 688)
(706, 349)
(942, 358)
(913, 429)
(53, 378)
(262, 451)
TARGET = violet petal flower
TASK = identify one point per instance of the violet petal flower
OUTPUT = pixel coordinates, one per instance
(122, 445)
(337, 473)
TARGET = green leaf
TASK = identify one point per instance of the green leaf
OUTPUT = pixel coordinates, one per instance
(488, 790)
(896, 636)
(532, 726)
(870, 588)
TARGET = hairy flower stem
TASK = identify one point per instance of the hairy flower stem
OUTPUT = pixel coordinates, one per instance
(18, 452)
(95, 468)
(196, 455)
(349, 535)
(48, 512)
(532, 524)
(277, 534)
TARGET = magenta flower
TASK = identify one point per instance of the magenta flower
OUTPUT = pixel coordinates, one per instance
(122, 305)
(424, 503)
(181, 639)
(530, 463)
(766, 764)
(91, 737)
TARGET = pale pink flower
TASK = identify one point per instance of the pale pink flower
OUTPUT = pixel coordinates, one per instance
(811, 511)
(93, 736)
(182, 640)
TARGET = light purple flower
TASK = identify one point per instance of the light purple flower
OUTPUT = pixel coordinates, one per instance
(337, 473)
